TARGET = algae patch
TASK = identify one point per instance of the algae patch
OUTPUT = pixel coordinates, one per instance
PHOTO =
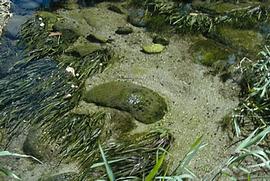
(142, 103)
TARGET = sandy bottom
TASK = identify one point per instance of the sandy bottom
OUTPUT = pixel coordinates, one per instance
(197, 101)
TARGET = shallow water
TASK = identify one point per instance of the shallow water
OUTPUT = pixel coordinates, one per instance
(197, 101)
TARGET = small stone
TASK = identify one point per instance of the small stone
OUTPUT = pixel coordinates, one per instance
(153, 48)
(161, 40)
(124, 30)
(96, 38)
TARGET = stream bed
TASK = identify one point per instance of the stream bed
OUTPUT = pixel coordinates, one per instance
(83, 75)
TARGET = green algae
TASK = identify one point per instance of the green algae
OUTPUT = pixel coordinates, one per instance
(142, 103)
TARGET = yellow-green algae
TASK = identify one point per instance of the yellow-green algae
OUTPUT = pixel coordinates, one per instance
(153, 48)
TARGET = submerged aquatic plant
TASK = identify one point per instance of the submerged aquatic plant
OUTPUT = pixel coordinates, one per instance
(253, 110)
(188, 18)
(132, 156)
(249, 161)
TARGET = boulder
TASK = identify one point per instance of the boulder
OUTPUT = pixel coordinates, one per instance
(142, 103)
(34, 146)
(82, 47)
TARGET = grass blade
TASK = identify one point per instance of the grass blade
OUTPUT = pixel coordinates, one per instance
(7, 153)
(156, 168)
(107, 166)
(195, 147)
(9, 173)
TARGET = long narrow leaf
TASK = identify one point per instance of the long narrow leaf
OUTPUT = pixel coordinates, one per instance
(107, 166)
(7, 153)
(9, 173)
(156, 168)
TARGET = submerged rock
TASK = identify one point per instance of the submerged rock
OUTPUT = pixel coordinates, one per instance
(153, 48)
(97, 38)
(248, 40)
(124, 30)
(158, 39)
(208, 52)
(136, 17)
(14, 25)
(82, 47)
(142, 103)
(35, 147)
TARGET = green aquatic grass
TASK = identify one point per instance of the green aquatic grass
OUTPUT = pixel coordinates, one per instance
(106, 163)
(156, 168)
(197, 19)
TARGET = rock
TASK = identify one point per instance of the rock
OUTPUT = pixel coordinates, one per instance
(14, 26)
(116, 8)
(69, 176)
(161, 40)
(137, 17)
(37, 148)
(96, 38)
(82, 47)
(153, 48)
(124, 30)
(142, 103)
(247, 40)
(214, 55)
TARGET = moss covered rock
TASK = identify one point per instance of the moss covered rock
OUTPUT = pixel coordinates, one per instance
(215, 55)
(153, 48)
(248, 40)
(142, 103)
(208, 52)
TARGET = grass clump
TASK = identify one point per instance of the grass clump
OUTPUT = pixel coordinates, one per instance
(190, 18)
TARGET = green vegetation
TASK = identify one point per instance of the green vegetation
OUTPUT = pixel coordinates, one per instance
(67, 53)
